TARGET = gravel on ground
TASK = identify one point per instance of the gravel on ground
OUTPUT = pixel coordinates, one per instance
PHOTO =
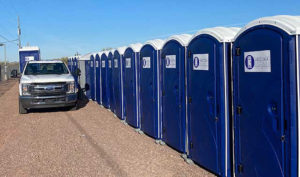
(86, 142)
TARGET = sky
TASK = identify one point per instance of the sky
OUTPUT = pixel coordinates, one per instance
(64, 27)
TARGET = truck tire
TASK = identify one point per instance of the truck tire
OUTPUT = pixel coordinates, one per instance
(74, 108)
(22, 110)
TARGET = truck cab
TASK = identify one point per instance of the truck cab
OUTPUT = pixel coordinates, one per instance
(46, 84)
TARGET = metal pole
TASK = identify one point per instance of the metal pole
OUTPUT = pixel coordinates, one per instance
(5, 63)
(19, 33)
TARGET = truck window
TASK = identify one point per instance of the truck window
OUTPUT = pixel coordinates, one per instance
(45, 68)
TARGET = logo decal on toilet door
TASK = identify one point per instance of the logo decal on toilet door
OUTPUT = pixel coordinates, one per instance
(170, 61)
(116, 63)
(103, 63)
(97, 65)
(201, 62)
(146, 62)
(128, 63)
(257, 61)
(109, 63)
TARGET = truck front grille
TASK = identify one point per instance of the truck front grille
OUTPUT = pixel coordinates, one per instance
(48, 89)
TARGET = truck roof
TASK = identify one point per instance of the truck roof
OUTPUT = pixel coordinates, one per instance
(46, 61)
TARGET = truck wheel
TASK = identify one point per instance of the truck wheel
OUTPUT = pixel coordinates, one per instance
(74, 108)
(22, 110)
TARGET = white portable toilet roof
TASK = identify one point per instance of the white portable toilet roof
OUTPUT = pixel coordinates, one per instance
(157, 44)
(121, 50)
(183, 39)
(29, 48)
(86, 56)
(136, 47)
(289, 24)
(222, 34)
(106, 52)
(112, 51)
(100, 53)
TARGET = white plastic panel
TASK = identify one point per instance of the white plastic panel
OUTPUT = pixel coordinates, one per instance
(289, 24)
(222, 34)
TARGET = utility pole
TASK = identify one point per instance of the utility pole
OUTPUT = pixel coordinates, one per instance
(19, 32)
(5, 62)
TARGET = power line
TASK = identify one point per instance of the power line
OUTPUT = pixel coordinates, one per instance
(4, 37)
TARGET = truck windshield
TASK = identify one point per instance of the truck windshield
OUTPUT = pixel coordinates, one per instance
(45, 68)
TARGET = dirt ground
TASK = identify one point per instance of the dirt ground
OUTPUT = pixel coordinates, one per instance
(86, 142)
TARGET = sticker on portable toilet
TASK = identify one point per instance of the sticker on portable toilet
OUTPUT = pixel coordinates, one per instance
(103, 63)
(257, 61)
(170, 61)
(200, 62)
(128, 63)
(92, 64)
(29, 58)
(116, 63)
(146, 62)
(109, 63)
(97, 65)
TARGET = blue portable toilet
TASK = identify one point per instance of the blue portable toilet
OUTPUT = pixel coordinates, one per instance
(110, 80)
(92, 77)
(81, 64)
(150, 88)
(69, 63)
(28, 53)
(131, 96)
(75, 69)
(117, 75)
(86, 59)
(173, 91)
(105, 91)
(266, 97)
(98, 77)
(208, 94)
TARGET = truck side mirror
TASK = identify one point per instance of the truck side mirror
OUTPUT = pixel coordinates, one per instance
(77, 72)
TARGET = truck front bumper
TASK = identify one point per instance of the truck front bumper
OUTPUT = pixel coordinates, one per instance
(29, 102)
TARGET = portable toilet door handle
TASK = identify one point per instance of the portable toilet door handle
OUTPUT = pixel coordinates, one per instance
(239, 110)
(190, 100)
(240, 168)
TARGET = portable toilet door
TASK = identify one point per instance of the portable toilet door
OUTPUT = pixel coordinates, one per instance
(149, 88)
(69, 63)
(173, 91)
(92, 75)
(117, 73)
(110, 81)
(266, 73)
(208, 88)
(97, 78)
(75, 70)
(104, 80)
(130, 60)
(87, 59)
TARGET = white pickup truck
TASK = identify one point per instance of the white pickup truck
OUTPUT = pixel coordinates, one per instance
(46, 84)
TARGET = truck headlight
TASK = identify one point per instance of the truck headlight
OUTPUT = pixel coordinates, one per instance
(71, 87)
(25, 89)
